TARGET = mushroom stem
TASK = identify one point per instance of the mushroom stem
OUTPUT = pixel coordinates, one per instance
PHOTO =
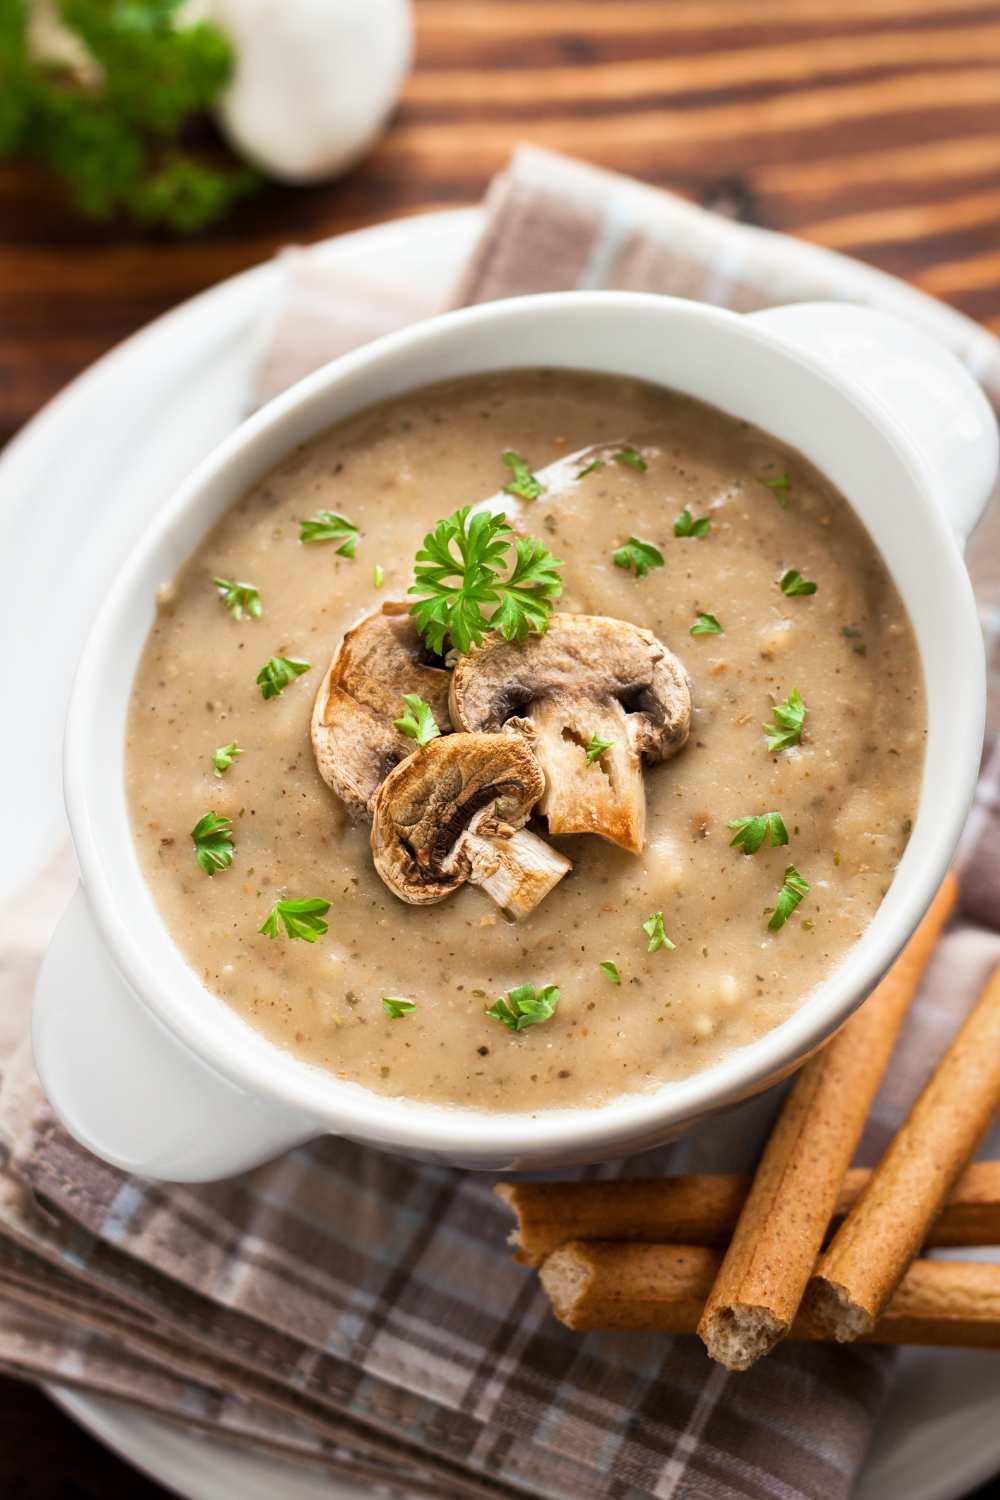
(607, 797)
(517, 872)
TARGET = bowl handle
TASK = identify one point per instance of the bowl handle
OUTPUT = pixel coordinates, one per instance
(126, 1087)
(920, 389)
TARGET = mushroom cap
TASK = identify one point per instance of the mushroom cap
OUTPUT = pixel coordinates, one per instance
(460, 783)
(580, 658)
(353, 737)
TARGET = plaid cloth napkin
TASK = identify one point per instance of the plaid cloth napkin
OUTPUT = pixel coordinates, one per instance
(346, 1308)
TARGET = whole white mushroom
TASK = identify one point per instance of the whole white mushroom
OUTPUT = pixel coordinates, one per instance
(315, 80)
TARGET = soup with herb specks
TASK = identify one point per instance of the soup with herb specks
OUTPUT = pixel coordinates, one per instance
(526, 848)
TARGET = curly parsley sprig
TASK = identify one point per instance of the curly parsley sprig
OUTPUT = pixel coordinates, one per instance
(459, 576)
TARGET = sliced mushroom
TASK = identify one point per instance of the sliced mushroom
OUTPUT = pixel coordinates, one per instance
(354, 740)
(356, 746)
(455, 812)
(588, 675)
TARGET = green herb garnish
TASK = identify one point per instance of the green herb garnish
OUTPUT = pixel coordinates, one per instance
(277, 672)
(395, 1008)
(705, 625)
(327, 526)
(526, 1006)
(793, 888)
(631, 458)
(793, 583)
(789, 717)
(239, 598)
(596, 748)
(119, 138)
(378, 575)
(213, 842)
(686, 525)
(610, 971)
(752, 832)
(780, 488)
(300, 919)
(653, 928)
(592, 467)
(458, 574)
(418, 723)
(524, 484)
(639, 555)
(223, 758)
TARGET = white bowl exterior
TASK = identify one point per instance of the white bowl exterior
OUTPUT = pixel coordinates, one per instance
(708, 353)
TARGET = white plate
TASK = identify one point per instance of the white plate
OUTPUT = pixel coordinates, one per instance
(76, 487)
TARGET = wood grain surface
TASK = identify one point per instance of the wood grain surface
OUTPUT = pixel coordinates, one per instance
(872, 126)
(869, 125)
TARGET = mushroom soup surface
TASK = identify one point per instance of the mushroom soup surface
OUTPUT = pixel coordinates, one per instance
(537, 872)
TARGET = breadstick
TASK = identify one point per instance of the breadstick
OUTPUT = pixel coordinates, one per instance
(794, 1191)
(871, 1251)
(703, 1210)
(662, 1288)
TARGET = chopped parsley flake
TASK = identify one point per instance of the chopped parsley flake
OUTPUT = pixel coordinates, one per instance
(639, 555)
(378, 575)
(653, 928)
(327, 526)
(686, 525)
(277, 672)
(705, 625)
(596, 748)
(223, 757)
(631, 458)
(610, 971)
(789, 718)
(239, 598)
(524, 484)
(793, 583)
(212, 836)
(525, 1006)
(395, 1008)
(752, 832)
(418, 723)
(300, 919)
(592, 467)
(793, 888)
(780, 488)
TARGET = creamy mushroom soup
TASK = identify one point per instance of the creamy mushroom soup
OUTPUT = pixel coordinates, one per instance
(650, 832)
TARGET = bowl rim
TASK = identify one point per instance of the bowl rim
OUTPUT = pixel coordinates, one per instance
(264, 1068)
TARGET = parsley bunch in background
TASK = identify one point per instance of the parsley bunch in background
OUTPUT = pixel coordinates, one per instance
(112, 128)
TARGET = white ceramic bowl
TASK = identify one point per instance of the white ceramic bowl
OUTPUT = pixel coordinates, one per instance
(156, 1075)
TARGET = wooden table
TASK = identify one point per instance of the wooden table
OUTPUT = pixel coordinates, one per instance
(877, 132)
(872, 126)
